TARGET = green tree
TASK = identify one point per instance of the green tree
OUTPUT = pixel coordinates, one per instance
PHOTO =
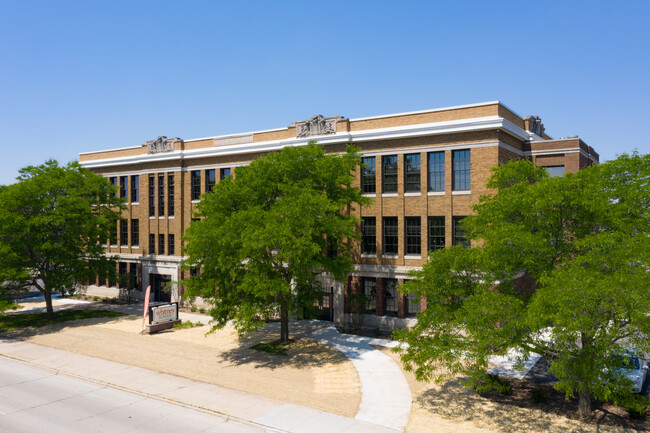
(560, 267)
(53, 221)
(260, 238)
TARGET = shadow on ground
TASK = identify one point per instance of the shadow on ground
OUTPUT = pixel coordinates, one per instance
(301, 352)
(518, 413)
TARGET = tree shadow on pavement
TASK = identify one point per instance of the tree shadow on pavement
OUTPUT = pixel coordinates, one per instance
(518, 413)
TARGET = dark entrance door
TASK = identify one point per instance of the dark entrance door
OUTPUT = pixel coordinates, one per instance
(326, 305)
(158, 282)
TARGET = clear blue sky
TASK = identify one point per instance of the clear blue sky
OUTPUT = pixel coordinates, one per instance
(88, 75)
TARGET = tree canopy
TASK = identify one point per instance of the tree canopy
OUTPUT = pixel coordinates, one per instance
(560, 267)
(261, 238)
(53, 221)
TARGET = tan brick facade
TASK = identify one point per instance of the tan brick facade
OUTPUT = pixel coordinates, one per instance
(487, 134)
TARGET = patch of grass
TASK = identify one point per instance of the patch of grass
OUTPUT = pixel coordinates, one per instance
(11, 322)
(188, 324)
(538, 395)
(275, 347)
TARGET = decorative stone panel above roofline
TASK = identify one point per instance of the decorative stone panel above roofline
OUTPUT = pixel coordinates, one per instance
(161, 144)
(317, 125)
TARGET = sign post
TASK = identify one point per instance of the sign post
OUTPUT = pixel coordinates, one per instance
(146, 305)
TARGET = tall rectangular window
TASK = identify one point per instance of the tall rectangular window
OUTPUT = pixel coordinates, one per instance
(390, 296)
(135, 188)
(391, 236)
(369, 175)
(135, 233)
(459, 233)
(152, 196)
(113, 181)
(332, 247)
(436, 171)
(124, 232)
(413, 305)
(133, 270)
(224, 173)
(210, 180)
(113, 235)
(124, 182)
(461, 166)
(436, 233)
(370, 291)
(152, 244)
(170, 195)
(170, 245)
(412, 172)
(196, 184)
(389, 173)
(161, 244)
(412, 235)
(161, 195)
(369, 235)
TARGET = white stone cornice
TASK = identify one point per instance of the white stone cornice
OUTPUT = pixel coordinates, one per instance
(391, 133)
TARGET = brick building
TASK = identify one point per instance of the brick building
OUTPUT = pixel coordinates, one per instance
(424, 170)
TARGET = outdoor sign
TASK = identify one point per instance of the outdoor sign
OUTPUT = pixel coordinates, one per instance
(146, 305)
(163, 313)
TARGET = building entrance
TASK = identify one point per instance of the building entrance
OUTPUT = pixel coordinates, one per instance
(158, 281)
(326, 304)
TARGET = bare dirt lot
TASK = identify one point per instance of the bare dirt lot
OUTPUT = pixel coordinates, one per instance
(310, 374)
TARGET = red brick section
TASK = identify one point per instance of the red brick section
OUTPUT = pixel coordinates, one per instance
(402, 302)
(379, 289)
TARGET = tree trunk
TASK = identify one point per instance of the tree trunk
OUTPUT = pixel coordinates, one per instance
(47, 294)
(584, 402)
(284, 321)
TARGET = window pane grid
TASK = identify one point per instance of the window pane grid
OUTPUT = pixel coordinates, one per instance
(370, 291)
(170, 195)
(390, 296)
(413, 305)
(161, 195)
(225, 172)
(152, 244)
(369, 175)
(161, 244)
(461, 164)
(436, 233)
(413, 242)
(170, 245)
(135, 188)
(196, 185)
(124, 232)
(412, 169)
(210, 180)
(124, 181)
(390, 243)
(369, 235)
(437, 171)
(459, 233)
(152, 196)
(135, 233)
(389, 173)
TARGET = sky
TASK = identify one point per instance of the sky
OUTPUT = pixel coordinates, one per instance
(79, 76)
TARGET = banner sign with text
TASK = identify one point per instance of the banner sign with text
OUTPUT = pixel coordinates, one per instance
(146, 305)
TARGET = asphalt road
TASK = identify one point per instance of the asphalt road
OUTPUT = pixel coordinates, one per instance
(34, 400)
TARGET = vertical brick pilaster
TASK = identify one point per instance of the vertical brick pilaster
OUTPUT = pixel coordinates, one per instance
(423, 303)
(380, 297)
(402, 301)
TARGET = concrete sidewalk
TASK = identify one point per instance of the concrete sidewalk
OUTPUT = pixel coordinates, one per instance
(273, 415)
